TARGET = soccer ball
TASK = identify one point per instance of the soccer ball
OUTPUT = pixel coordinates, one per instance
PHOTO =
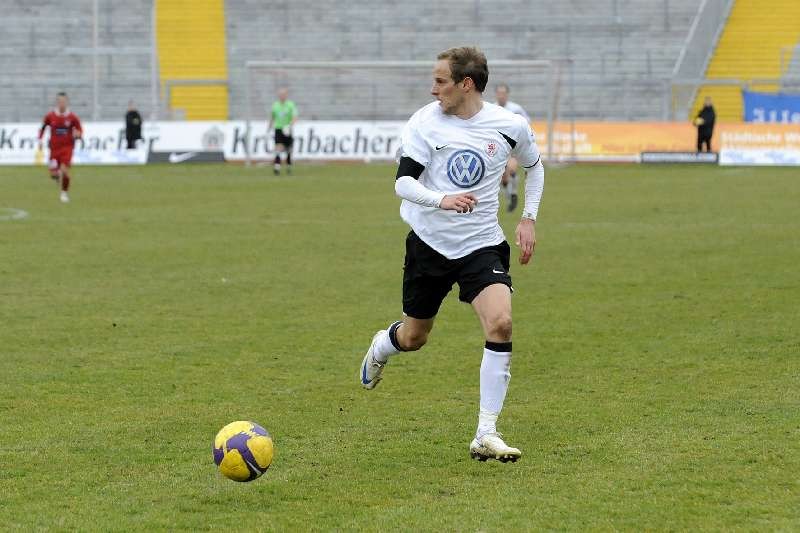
(243, 450)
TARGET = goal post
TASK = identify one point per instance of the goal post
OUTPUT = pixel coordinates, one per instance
(385, 90)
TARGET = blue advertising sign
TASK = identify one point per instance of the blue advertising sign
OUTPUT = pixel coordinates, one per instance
(782, 108)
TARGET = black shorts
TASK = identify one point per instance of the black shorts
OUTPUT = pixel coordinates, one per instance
(428, 275)
(285, 140)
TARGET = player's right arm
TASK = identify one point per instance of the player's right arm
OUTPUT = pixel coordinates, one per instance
(415, 155)
(408, 187)
(271, 117)
(45, 124)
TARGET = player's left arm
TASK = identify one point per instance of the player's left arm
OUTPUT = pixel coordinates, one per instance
(527, 153)
(77, 129)
(294, 114)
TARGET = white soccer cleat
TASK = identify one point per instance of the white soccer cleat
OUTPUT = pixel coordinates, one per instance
(371, 369)
(64, 197)
(491, 446)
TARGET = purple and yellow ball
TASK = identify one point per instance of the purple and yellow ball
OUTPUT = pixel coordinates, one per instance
(243, 451)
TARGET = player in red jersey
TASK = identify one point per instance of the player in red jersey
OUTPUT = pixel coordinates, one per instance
(65, 127)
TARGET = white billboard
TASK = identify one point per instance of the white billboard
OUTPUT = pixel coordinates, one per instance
(756, 157)
(177, 142)
(104, 142)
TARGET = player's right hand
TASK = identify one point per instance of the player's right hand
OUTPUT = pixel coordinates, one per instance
(460, 203)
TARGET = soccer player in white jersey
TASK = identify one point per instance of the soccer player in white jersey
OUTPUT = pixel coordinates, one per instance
(452, 158)
(510, 175)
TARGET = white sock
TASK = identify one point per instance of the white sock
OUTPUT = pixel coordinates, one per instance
(495, 375)
(487, 423)
(384, 347)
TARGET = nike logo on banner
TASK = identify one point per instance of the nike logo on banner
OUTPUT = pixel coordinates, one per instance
(442, 146)
(498, 271)
(180, 158)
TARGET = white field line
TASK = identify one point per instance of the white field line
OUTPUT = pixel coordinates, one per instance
(11, 213)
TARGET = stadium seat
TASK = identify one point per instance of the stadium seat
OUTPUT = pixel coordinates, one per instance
(750, 48)
(192, 46)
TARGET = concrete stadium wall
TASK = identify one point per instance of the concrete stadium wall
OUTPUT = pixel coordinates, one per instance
(47, 47)
(623, 51)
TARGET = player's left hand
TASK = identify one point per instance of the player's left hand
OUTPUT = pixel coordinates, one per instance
(76, 133)
(526, 239)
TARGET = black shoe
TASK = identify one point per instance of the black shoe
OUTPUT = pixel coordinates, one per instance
(512, 203)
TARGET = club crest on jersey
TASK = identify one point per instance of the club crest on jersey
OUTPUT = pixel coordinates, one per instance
(465, 168)
(491, 149)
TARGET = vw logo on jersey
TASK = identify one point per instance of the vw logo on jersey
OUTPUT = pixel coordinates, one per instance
(465, 168)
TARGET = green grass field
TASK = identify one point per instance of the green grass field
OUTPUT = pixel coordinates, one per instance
(656, 375)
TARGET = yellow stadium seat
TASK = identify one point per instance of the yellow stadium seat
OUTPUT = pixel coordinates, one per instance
(191, 46)
(750, 48)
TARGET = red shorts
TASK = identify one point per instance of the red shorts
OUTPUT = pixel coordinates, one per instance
(60, 156)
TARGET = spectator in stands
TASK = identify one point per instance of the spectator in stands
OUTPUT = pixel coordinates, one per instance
(705, 125)
(133, 126)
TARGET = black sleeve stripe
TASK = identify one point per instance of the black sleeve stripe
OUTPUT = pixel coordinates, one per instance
(409, 167)
(533, 165)
(508, 139)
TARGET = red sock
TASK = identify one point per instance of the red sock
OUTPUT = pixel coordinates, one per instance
(64, 182)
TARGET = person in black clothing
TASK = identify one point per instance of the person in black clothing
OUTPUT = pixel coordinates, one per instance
(133, 126)
(705, 125)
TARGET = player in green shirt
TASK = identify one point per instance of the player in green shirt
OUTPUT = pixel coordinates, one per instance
(283, 116)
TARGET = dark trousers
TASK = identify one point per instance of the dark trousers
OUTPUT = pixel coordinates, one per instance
(131, 142)
(703, 138)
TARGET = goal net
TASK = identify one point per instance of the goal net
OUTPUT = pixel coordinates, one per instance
(377, 94)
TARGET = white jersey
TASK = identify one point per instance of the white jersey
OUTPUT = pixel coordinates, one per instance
(517, 109)
(463, 156)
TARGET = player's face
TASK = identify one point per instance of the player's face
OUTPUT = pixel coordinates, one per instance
(501, 95)
(61, 103)
(449, 93)
(283, 94)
